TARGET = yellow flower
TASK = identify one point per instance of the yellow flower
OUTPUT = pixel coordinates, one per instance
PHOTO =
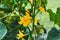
(27, 11)
(42, 30)
(20, 35)
(30, 0)
(41, 8)
(35, 20)
(47, 13)
(22, 20)
(27, 15)
(25, 20)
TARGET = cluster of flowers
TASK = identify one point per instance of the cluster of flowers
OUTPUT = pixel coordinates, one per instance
(26, 20)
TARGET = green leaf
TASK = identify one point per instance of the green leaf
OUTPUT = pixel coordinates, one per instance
(58, 16)
(3, 30)
(51, 14)
(53, 34)
(55, 17)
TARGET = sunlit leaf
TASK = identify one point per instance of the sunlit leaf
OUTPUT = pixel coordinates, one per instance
(3, 30)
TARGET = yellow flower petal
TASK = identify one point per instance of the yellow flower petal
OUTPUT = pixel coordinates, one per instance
(25, 24)
(27, 11)
(42, 30)
(41, 8)
(27, 16)
(20, 35)
(20, 22)
(35, 20)
(21, 18)
(30, 0)
(25, 20)
(47, 13)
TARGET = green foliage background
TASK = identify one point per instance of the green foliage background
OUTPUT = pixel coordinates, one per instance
(10, 10)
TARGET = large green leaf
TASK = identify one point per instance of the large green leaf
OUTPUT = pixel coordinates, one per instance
(58, 16)
(53, 34)
(3, 30)
(55, 17)
(51, 14)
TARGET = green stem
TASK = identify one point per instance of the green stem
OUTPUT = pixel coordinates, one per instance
(34, 6)
(34, 2)
(1, 1)
(20, 4)
(29, 33)
(5, 16)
